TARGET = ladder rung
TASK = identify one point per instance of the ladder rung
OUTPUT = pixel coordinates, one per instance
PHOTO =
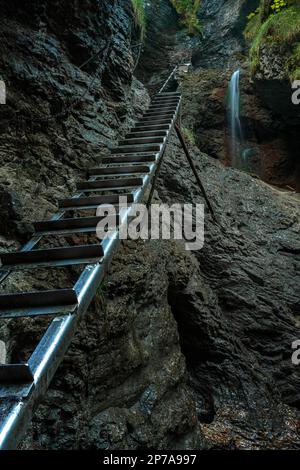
(15, 373)
(162, 106)
(119, 183)
(146, 124)
(165, 101)
(167, 98)
(169, 93)
(156, 119)
(92, 202)
(129, 159)
(119, 170)
(137, 135)
(136, 149)
(80, 225)
(149, 127)
(12, 305)
(159, 113)
(162, 109)
(64, 256)
(138, 154)
(143, 140)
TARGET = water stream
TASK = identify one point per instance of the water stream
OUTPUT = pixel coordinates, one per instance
(236, 136)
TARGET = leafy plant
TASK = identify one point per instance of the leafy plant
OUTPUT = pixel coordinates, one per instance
(269, 7)
(278, 23)
(188, 135)
(139, 15)
(293, 63)
(278, 5)
(253, 14)
(188, 9)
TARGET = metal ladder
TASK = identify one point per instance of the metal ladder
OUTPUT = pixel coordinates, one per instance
(130, 168)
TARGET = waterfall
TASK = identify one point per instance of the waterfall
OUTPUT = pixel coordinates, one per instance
(234, 118)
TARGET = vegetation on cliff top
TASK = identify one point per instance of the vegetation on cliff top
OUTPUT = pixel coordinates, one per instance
(188, 9)
(139, 15)
(276, 22)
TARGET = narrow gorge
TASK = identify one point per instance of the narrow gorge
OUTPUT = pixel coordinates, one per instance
(179, 349)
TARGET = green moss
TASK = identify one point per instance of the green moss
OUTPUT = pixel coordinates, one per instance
(188, 9)
(188, 135)
(139, 15)
(293, 63)
(253, 26)
(282, 28)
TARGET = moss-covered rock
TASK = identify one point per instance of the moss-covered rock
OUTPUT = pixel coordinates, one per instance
(273, 30)
(273, 34)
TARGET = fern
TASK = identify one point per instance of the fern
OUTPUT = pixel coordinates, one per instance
(278, 23)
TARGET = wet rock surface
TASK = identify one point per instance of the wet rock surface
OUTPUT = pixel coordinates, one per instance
(63, 107)
(237, 309)
(223, 22)
(236, 306)
(270, 142)
(165, 46)
(273, 83)
(123, 381)
(179, 350)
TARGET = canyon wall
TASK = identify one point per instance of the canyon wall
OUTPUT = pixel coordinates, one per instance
(179, 350)
(269, 119)
(223, 22)
(68, 68)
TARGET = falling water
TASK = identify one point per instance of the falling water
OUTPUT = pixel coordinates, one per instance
(234, 118)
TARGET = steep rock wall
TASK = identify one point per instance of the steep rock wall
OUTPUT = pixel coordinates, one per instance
(59, 116)
(237, 307)
(223, 22)
(157, 54)
(123, 381)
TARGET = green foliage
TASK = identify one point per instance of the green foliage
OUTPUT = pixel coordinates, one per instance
(293, 63)
(188, 9)
(139, 15)
(278, 5)
(254, 23)
(253, 14)
(278, 22)
(188, 135)
(270, 7)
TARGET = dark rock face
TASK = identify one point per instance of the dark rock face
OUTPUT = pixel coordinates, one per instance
(58, 116)
(123, 382)
(237, 307)
(157, 59)
(271, 139)
(166, 45)
(274, 87)
(205, 111)
(272, 84)
(179, 350)
(270, 120)
(223, 24)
